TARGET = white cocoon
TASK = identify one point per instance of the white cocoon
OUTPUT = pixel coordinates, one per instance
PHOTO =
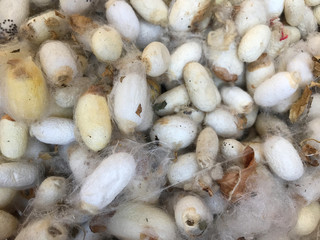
(293, 33)
(141, 220)
(122, 17)
(76, 6)
(202, 91)
(314, 110)
(237, 99)
(8, 225)
(54, 130)
(254, 43)
(148, 33)
(175, 132)
(309, 22)
(293, 11)
(277, 88)
(283, 158)
(316, 13)
(274, 8)
(308, 219)
(102, 186)
(156, 57)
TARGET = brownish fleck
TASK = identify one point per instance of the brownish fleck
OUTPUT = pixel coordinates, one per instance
(97, 228)
(54, 35)
(205, 188)
(97, 90)
(300, 105)
(242, 122)
(144, 236)
(45, 156)
(309, 152)
(263, 61)
(80, 24)
(248, 156)
(54, 232)
(223, 74)
(139, 110)
(316, 66)
(163, 121)
(201, 14)
(6, 116)
(51, 22)
(235, 11)
(13, 62)
(21, 72)
(121, 79)
(59, 14)
(28, 193)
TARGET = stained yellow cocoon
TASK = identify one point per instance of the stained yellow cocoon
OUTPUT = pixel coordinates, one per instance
(25, 89)
(93, 119)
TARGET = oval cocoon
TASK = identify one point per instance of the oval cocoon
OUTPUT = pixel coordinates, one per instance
(8, 225)
(308, 219)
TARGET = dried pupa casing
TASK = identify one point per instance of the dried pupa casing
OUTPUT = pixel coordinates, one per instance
(274, 8)
(192, 216)
(50, 192)
(53, 130)
(277, 88)
(312, 3)
(309, 22)
(187, 52)
(207, 148)
(283, 158)
(141, 221)
(316, 13)
(172, 101)
(8, 225)
(148, 33)
(106, 44)
(13, 137)
(18, 175)
(58, 62)
(237, 99)
(292, 11)
(76, 6)
(193, 113)
(203, 93)
(186, 15)
(254, 43)
(286, 104)
(153, 11)
(47, 25)
(92, 118)
(224, 123)
(279, 41)
(258, 71)
(183, 169)
(46, 228)
(231, 149)
(123, 18)
(107, 181)
(6, 196)
(156, 57)
(174, 131)
(251, 13)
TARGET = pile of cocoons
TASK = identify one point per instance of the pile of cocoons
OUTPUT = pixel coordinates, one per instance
(159, 119)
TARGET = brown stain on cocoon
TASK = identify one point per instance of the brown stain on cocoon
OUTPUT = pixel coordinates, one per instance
(262, 61)
(64, 76)
(80, 24)
(98, 228)
(97, 90)
(51, 22)
(224, 75)
(163, 121)
(6, 116)
(139, 110)
(59, 14)
(201, 14)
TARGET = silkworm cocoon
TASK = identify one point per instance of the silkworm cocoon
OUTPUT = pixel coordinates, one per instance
(274, 8)
(46, 229)
(251, 13)
(254, 43)
(13, 137)
(204, 95)
(48, 25)
(107, 181)
(258, 151)
(8, 225)
(184, 169)
(251, 116)
(122, 17)
(192, 216)
(173, 101)
(92, 118)
(194, 114)
(58, 62)
(308, 219)
(223, 122)
(283, 158)
(148, 33)
(18, 175)
(237, 99)
(207, 148)
(231, 149)
(258, 71)
(50, 192)
(153, 11)
(277, 88)
(187, 52)
(292, 11)
(106, 44)
(314, 110)
(185, 15)
(141, 221)
(156, 57)
(309, 22)
(286, 104)
(6, 196)
(25, 90)
(76, 6)
(175, 132)
(314, 132)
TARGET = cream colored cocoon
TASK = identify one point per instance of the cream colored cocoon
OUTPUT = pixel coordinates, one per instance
(6, 196)
(308, 219)
(8, 225)
(293, 11)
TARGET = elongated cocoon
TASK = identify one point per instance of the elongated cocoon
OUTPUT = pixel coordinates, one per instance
(254, 43)
(283, 158)
(18, 175)
(203, 93)
(293, 11)
(141, 220)
(6, 196)
(107, 181)
(25, 90)
(153, 11)
(106, 44)
(76, 6)
(308, 219)
(277, 88)
(237, 99)
(122, 17)
(174, 131)
(58, 62)
(156, 57)
(8, 225)
(274, 7)
(231, 149)
(13, 137)
(92, 118)
(54, 130)
(192, 216)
